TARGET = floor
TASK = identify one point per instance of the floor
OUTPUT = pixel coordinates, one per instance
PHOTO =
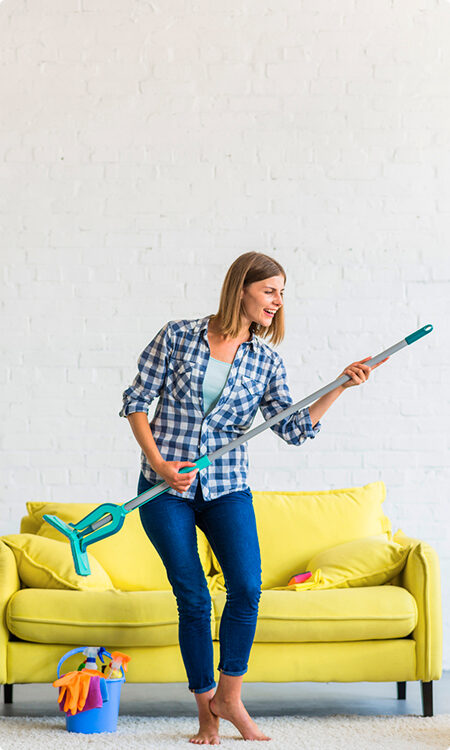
(260, 699)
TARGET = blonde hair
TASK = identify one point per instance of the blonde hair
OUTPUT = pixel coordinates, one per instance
(245, 270)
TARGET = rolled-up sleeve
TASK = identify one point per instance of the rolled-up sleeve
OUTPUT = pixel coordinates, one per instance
(152, 368)
(295, 428)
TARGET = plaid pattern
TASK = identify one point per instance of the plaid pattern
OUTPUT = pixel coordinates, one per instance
(172, 367)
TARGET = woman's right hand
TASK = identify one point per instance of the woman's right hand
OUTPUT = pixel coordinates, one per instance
(169, 471)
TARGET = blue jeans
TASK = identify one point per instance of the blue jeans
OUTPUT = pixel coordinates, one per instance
(230, 526)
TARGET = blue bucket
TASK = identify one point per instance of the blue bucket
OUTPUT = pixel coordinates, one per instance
(103, 719)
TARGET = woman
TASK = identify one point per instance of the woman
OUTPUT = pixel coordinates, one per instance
(211, 375)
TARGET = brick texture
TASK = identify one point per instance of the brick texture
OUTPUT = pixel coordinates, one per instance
(143, 147)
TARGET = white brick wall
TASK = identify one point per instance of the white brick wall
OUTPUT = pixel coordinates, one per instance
(143, 147)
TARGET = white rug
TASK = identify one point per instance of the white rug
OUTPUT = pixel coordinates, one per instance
(335, 732)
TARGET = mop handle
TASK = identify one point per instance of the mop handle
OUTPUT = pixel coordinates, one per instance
(205, 460)
(317, 394)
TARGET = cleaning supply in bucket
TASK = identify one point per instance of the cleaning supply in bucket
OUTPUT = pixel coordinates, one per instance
(91, 700)
(74, 689)
(91, 653)
(80, 690)
(94, 697)
(113, 670)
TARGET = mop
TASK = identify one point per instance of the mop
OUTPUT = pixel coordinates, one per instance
(108, 518)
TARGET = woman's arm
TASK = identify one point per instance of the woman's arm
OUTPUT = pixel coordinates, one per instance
(359, 373)
(148, 383)
(168, 470)
(152, 368)
(143, 434)
(319, 407)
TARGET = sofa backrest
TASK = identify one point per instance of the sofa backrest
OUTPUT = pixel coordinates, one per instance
(128, 556)
(294, 526)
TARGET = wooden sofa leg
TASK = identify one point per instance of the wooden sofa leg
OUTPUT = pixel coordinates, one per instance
(8, 693)
(427, 698)
(401, 691)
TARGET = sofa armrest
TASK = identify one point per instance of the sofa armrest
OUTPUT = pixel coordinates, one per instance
(421, 577)
(9, 584)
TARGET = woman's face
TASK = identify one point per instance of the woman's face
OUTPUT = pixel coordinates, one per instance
(261, 297)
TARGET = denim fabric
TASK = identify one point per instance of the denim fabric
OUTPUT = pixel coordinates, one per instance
(230, 526)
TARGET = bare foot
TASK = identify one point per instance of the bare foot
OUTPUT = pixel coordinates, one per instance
(208, 733)
(238, 715)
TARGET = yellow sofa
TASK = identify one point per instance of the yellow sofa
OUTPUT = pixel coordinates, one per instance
(349, 633)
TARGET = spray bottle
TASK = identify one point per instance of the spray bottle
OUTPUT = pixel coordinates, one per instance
(113, 671)
(91, 653)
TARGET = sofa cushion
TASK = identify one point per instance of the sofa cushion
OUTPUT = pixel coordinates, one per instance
(352, 614)
(371, 561)
(128, 556)
(112, 619)
(295, 526)
(46, 563)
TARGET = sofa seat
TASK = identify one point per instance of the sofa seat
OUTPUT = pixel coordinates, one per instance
(346, 614)
(108, 618)
(150, 618)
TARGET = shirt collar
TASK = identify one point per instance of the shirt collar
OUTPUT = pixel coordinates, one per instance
(202, 328)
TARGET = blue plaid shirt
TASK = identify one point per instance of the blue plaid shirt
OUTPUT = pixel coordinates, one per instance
(172, 367)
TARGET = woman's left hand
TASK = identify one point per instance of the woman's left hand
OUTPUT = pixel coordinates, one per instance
(359, 372)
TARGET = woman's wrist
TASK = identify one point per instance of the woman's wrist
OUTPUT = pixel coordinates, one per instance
(156, 464)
